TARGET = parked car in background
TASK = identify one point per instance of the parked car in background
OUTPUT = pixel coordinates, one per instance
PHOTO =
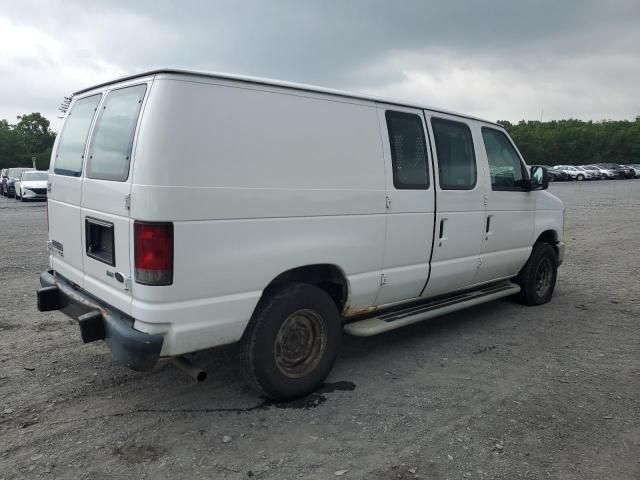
(575, 173)
(8, 183)
(556, 175)
(3, 175)
(32, 185)
(620, 170)
(605, 173)
(636, 168)
(596, 173)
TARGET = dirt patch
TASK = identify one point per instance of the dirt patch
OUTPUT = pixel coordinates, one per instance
(138, 453)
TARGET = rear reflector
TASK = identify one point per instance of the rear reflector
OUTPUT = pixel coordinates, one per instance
(153, 243)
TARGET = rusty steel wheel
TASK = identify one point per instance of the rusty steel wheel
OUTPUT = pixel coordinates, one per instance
(544, 275)
(300, 344)
(537, 279)
(292, 341)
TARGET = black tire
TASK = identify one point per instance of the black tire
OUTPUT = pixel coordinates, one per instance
(543, 262)
(552, 178)
(301, 307)
(580, 177)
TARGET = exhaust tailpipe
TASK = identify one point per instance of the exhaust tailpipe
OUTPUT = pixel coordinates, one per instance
(195, 372)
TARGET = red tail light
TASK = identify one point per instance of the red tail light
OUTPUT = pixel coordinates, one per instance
(153, 252)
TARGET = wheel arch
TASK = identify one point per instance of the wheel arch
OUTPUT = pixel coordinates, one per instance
(326, 276)
(551, 237)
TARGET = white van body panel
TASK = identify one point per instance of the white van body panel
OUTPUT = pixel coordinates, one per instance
(260, 178)
(63, 203)
(549, 216)
(318, 197)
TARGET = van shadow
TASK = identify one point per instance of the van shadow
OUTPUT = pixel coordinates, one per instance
(225, 383)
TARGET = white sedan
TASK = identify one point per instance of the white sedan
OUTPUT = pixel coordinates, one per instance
(575, 173)
(32, 185)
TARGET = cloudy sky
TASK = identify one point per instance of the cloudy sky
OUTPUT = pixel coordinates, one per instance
(496, 59)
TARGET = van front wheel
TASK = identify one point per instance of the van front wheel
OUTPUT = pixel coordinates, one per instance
(291, 342)
(537, 279)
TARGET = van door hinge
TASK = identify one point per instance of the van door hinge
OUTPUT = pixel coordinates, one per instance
(48, 187)
(127, 201)
(383, 279)
(485, 199)
(50, 246)
(127, 283)
(479, 262)
(388, 202)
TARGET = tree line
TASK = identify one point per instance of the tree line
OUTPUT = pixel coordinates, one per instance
(558, 142)
(30, 136)
(576, 142)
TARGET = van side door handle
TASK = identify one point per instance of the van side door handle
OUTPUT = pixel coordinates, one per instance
(441, 236)
(487, 229)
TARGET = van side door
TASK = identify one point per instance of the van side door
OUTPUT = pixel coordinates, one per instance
(410, 204)
(459, 203)
(510, 208)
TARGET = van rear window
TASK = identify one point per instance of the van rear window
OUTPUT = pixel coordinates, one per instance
(70, 152)
(110, 152)
(408, 151)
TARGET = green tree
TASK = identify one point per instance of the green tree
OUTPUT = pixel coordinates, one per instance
(30, 137)
(577, 142)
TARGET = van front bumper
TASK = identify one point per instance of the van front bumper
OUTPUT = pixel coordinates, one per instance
(132, 348)
(560, 246)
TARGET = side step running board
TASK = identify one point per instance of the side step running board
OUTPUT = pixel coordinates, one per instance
(417, 313)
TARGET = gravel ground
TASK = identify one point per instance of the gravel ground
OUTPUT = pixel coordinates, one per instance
(499, 391)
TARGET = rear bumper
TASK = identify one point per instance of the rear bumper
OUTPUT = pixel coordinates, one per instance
(97, 321)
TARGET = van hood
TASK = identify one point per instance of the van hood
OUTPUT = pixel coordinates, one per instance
(34, 184)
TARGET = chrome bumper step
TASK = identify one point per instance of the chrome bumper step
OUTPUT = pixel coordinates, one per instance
(398, 318)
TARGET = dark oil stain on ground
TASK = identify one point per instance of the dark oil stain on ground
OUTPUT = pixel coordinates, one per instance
(314, 399)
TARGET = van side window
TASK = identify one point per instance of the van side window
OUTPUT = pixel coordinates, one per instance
(456, 156)
(70, 151)
(408, 151)
(507, 171)
(112, 140)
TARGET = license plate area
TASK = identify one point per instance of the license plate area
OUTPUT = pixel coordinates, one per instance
(99, 237)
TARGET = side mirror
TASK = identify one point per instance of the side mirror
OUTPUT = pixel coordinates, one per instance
(539, 178)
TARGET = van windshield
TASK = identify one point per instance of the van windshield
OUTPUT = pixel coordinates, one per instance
(110, 152)
(72, 142)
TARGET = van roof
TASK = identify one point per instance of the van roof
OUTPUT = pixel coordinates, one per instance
(281, 83)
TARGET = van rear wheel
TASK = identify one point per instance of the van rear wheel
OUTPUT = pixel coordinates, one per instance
(537, 279)
(291, 342)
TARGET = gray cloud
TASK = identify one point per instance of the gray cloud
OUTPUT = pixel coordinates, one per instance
(497, 59)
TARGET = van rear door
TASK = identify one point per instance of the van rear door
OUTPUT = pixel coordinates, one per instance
(106, 185)
(65, 189)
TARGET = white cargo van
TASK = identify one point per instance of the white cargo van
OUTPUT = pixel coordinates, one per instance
(189, 210)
